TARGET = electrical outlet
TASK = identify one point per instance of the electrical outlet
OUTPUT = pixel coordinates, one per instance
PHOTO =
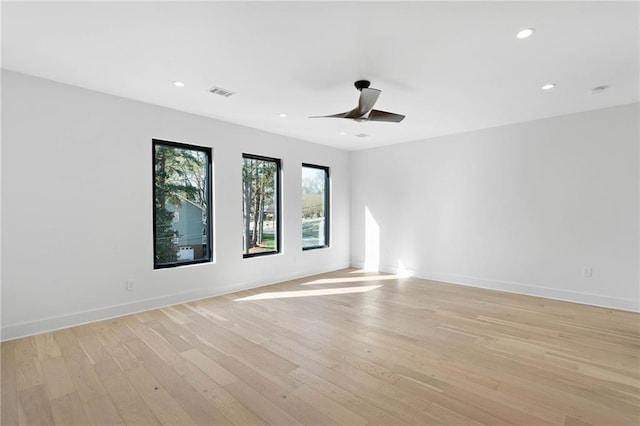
(131, 284)
(587, 271)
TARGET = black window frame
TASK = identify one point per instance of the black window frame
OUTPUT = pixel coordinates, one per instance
(327, 206)
(209, 192)
(277, 203)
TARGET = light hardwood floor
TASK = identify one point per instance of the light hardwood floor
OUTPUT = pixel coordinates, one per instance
(347, 348)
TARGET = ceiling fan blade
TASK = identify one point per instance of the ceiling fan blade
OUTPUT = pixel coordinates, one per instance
(376, 115)
(364, 111)
(368, 98)
(341, 115)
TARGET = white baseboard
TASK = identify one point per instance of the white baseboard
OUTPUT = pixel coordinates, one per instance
(16, 331)
(519, 288)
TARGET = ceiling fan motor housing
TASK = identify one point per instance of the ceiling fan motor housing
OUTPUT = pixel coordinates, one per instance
(362, 84)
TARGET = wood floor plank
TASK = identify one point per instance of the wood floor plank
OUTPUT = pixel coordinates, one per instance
(28, 372)
(210, 367)
(390, 398)
(67, 342)
(46, 346)
(573, 421)
(8, 384)
(237, 325)
(281, 395)
(263, 407)
(296, 351)
(237, 413)
(35, 406)
(175, 340)
(120, 327)
(236, 345)
(91, 343)
(56, 377)
(163, 406)
(403, 351)
(69, 410)
(84, 377)
(122, 356)
(176, 315)
(199, 409)
(351, 401)
(25, 348)
(159, 345)
(101, 411)
(129, 404)
(330, 408)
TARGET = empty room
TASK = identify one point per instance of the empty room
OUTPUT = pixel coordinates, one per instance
(320, 213)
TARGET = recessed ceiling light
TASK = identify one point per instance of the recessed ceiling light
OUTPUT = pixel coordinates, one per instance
(283, 115)
(343, 133)
(598, 89)
(548, 86)
(178, 84)
(525, 33)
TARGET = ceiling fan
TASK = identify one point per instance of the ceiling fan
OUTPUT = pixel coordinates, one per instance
(364, 111)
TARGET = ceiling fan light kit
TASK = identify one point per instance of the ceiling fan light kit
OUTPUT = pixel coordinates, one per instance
(364, 111)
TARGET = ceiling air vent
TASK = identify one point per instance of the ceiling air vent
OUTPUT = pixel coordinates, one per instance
(361, 135)
(220, 91)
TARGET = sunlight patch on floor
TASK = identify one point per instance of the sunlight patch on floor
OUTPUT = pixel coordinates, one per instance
(352, 279)
(308, 293)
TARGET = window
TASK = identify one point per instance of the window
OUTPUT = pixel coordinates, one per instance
(261, 205)
(181, 204)
(315, 207)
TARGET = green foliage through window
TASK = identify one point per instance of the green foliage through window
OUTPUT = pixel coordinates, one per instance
(261, 205)
(315, 206)
(181, 204)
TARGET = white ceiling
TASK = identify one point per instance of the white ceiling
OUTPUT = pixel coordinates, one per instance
(450, 67)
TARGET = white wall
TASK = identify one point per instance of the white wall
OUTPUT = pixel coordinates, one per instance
(522, 208)
(77, 206)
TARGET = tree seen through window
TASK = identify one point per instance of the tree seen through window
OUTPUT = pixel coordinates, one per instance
(261, 213)
(182, 188)
(315, 200)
